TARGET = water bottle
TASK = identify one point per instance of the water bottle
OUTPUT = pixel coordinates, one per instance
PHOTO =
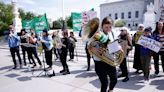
(29, 68)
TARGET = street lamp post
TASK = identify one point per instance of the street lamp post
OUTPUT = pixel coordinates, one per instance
(133, 25)
(63, 17)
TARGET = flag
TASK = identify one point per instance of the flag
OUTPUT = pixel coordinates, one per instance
(27, 24)
(40, 23)
(76, 21)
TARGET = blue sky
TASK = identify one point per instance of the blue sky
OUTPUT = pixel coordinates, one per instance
(53, 8)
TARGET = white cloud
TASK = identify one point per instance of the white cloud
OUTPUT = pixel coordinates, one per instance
(113, 0)
(52, 12)
(31, 2)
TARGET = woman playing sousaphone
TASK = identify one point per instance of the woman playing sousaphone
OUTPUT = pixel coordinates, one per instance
(102, 68)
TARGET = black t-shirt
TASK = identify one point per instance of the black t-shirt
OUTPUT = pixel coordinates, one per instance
(65, 42)
(23, 40)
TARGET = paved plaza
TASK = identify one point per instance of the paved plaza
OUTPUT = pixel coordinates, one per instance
(80, 80)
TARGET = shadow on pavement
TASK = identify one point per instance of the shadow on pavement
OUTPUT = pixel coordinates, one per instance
(24, 78)
(134, 83)
(86, 75)
(77, 71)
(91, 67)
(57, 63)
(32, 70)
(6, 67)
(96, 83)
(159, 83)
(12, 75)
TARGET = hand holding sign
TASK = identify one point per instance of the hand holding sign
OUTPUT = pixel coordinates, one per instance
(149, 43)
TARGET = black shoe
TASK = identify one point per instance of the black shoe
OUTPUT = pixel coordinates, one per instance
(53, 74)
(69, 59)
(125, 79)
(156, 72)
(137, 72)
(25, 64)
(31, 63)
(49, 68)
(66, 72)
(33, 66)
(121, 75)
(62, 71)
(14, 67)
(88, 69)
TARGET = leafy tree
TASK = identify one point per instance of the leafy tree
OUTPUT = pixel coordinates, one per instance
(119, 23)
(6, 16)
(26, 15)
(57, 25)
(69, 22)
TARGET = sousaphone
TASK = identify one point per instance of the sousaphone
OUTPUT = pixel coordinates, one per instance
(100, 46)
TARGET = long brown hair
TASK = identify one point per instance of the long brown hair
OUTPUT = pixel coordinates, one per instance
(156, 28)
(107, 20)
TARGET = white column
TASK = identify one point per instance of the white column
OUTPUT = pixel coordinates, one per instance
(16, 21)
(159, 8)
(63, 16)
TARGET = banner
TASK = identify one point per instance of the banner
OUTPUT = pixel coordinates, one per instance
(37, 23)
(40, 23)
(159, 9)
(27, 24)
(150, 43)
(88, 15)
(76, 21)
(81, 19)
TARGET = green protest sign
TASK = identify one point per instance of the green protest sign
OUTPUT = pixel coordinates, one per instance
(27, 24)
(37, 23)
(40, 23)
(76, 21)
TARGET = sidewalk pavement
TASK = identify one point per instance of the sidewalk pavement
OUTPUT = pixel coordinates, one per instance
(80, 80)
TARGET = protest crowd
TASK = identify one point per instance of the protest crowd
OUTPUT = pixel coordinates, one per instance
(32, 45)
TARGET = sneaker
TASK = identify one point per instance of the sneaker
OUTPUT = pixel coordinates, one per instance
(33, 66)
(69, 59)
(62, 71)
(146, 81)
(88, 69)
(125, 79)
(137, 72)
(49, 68)
(25, 64)
(21, 66)
(14, 67)
(31, 63)
(66, 72)
(156, 73)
